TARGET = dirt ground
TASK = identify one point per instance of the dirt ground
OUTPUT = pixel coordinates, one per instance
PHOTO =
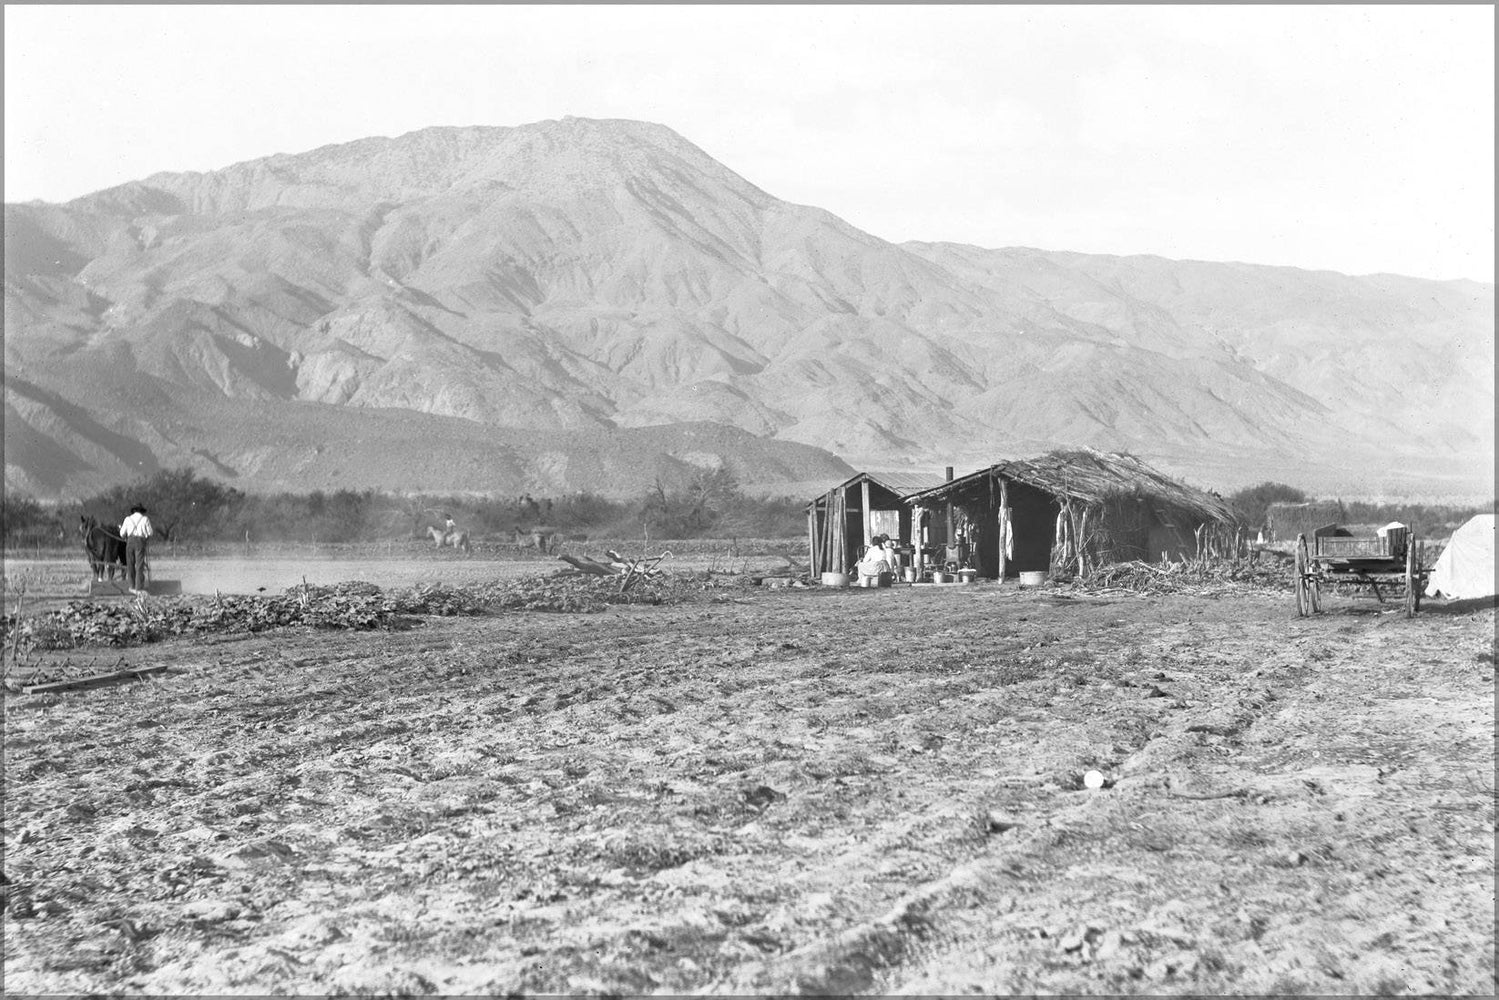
(774, 791)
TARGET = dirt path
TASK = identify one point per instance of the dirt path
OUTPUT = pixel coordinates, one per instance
(786, 791)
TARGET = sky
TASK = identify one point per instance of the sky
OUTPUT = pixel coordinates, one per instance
(1351, 138)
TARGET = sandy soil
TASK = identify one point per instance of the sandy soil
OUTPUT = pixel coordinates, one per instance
(774, 791)
(52, 580)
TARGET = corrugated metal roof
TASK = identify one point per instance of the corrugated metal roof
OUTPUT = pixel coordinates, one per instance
(906, 483)
(902, 484)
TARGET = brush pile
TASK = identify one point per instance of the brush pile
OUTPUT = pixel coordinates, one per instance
(355, 605)
(1197, 577)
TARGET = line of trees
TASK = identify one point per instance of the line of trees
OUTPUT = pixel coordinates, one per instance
(190, 508)
(186, 507)
(1427, 520)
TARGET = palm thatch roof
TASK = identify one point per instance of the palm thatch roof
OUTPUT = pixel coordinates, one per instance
(1093, 477)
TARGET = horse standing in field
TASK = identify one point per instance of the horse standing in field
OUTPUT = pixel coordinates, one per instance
(457, 539)
(543, 540)
(105, 548)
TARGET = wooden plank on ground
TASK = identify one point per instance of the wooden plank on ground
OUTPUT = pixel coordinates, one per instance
(94, 680)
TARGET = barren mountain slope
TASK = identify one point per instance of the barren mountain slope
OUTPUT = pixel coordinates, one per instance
(595, 275)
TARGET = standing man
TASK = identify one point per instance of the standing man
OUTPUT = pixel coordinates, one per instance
(136, 530)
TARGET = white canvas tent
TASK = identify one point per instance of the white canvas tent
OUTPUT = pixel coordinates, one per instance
(1465, 568)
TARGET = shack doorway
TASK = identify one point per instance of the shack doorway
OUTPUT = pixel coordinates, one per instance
(1033, 524)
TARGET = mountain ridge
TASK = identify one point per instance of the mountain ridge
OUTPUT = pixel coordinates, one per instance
(599, 277)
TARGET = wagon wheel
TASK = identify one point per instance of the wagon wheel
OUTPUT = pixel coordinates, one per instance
(1412, 592)
(1303, 597)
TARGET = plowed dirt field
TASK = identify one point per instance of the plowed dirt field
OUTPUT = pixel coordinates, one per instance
(773, 791)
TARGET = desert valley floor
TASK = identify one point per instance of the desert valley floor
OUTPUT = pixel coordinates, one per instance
(773, 791)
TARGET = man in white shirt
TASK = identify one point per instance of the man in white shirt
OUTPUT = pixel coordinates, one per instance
(136, 530)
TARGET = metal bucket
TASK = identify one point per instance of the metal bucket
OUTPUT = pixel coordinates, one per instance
(968, 576)
(1033, 578)
(835, 579)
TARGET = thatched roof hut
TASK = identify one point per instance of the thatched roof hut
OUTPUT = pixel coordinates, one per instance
(1066, 511)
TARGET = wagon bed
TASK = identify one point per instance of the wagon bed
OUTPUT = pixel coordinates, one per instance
(1391, 557)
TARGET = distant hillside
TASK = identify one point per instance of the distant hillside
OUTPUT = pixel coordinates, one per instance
(573, 303)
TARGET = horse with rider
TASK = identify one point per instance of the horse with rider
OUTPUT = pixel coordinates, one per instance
(450, 535)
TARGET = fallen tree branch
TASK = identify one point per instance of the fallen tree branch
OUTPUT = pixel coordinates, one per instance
(586, 565)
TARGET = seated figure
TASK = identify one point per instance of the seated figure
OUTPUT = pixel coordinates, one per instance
(877, 560)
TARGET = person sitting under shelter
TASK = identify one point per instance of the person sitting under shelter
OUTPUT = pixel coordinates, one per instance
(877, 560)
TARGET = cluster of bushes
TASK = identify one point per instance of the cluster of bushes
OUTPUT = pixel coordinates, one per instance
(1426, 520)
(187, 507)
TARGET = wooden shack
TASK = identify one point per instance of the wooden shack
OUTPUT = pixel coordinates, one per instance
(841, 521)
(1067, 511)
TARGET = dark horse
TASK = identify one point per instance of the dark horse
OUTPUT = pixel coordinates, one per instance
(104, 548)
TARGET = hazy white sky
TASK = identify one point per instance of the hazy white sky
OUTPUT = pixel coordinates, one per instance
(1355, 138)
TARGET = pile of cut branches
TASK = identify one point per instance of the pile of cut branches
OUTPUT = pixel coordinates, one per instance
(1194, 577)
(355, 605)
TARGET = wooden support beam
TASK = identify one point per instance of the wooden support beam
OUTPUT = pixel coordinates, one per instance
(843, 542)
(812, 539)
(868, 528)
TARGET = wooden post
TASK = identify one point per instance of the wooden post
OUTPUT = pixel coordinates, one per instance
(829, 562)
(812, 539)
(1080, 543)
(840, 530)
(868, 528)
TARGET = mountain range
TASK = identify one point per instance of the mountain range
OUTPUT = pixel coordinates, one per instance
(596, 304)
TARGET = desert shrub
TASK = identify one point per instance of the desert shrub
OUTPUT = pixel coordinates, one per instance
(26, 522)
(1432, 521)
(185, 507)
(180, 502)
(1251, 503)
(713, 505)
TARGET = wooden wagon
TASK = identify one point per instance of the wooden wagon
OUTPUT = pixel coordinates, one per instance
(1337, 556)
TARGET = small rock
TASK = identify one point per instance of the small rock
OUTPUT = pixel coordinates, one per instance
(1109, 945)
(761, 796)
(210, 911)
(998, 822)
